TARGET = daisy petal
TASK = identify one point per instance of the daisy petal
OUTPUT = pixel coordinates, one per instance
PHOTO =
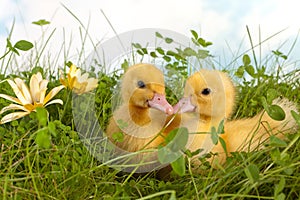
(13, 116)
(34, 88)
(42, 95)
(23, 91)
(79, 88)
(72, 81)
(13, 99)
(43, 84)
(52, 93)
(73, 70)
(55, 101)
(39, 77)
(92, 84)
(16, 89)
(83, 78)
(19, 82)
(26, 93)
(78, 73)
(13, 107)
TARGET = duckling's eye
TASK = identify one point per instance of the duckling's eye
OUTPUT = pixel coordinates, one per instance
(141, 84)
(206, 91)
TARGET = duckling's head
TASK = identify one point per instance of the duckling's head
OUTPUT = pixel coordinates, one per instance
(210, 93)
(143, 87)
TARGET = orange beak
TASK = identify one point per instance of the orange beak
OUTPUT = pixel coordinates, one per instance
(184, 105)
(160, 102)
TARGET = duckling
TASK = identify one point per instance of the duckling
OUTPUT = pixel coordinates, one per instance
(209, 97)
(144, 109)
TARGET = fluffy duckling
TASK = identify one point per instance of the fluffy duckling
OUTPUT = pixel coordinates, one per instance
(209, 97)
(144, 109)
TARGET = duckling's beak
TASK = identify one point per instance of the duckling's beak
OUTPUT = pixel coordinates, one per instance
(160, 102)
(184, 105)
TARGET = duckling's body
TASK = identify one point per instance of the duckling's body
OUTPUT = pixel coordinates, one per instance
(210, 98)
(252, 132)
(143, 111)
(137, 136)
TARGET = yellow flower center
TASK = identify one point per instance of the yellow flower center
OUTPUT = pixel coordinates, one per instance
(32, 107)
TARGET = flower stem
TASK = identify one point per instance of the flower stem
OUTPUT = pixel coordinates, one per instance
(68, 101)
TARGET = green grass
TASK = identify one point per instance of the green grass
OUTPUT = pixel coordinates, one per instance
(67, 170)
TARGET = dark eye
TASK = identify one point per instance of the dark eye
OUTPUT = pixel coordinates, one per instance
(141, 84)
(206, 91)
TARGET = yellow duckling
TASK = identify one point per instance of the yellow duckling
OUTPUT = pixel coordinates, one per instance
(209, 98)
(144, 109)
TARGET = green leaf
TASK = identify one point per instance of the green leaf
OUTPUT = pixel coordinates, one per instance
(144, 50)
(167, 58)
(246, 60)
(125, 65)
(8, 44)
(157, 34)
(280, 186)
(122, 124)
(195, 41)
(171, 53)
(23, 45)
(14, 123)
(118, 137)
(202, 54)
(203, 43)
(240, 72)
(279, 54)
(252, 172)
(37, 69)
(41, 22)
(289, 171)
(223, 143)
(195, 34)
(276, 112)
(136, 45)
(140, 52)
(168, 40)
(281, 196)
(214, 135)
(43, 138)
(166, 155)
(153, 54)
(42, 116)
(250, 70)
(160, 50)
(296, 116)
(271, 95)
(52, 129)
(180, 139)
(176, 141)
(208, 43)
(221, 127)
(264, 103)
(10, 47)
(190, 154)
(275, 155)
(277, 142)
(189, 52)
(179, 166)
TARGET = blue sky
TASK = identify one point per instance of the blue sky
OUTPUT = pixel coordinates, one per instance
(221, 21)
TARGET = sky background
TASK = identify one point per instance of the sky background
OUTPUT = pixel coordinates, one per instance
(220, 21)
